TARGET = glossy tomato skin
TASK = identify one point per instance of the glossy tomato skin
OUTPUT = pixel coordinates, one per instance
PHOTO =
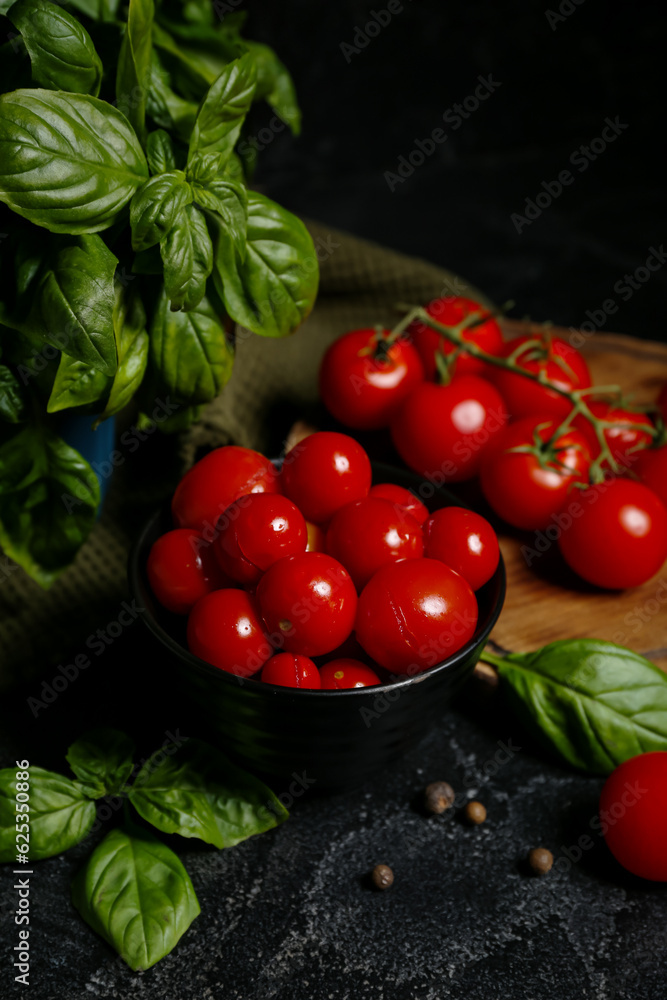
(216, 481)
(345, 673)
(401, 498)
(256, 531)
(632, 431)
(362, 387)
(308, 602)
(225, 628)
(323, 472)
(619, 537)
(371, 533)
(450, 311)
(464, 541)
(633, 815)
(523, 492)
(651, 467)
(443, 431)
(291, 670)
(525, 397)
(413, 615)
(181, 568)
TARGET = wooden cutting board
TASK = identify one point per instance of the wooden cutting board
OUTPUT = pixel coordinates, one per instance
(546, 601)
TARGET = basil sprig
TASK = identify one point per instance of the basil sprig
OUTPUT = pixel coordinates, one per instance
(128, 234)
(133, 890)
(593, 704)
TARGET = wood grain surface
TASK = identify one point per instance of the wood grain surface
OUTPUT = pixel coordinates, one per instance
(545, 601)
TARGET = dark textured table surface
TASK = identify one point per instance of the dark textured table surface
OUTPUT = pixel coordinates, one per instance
(292, 913)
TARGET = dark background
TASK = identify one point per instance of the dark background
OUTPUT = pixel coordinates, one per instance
(363, 110)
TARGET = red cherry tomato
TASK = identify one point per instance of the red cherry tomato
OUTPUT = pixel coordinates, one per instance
(651, 467)
(216, 481)
(225, 628)
(255, 532)
(346, 673)
(401, 498)
(623, 438)
(633, 814)
(291, 670)
(527, 491)
(308, 603)
(558, 361)
(465, 542)
(323, 472)
(181, 568)
(362, 382)
(450, 311)
(415, 614)
(370, 533)
(316, 538)
(618, 537)
(442, 431)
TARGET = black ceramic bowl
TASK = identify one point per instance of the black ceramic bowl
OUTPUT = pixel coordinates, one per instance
(337, 738)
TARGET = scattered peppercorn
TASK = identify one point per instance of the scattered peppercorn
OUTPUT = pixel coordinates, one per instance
(438, 796)
(382, 877)
(540, 860)
(475, 813)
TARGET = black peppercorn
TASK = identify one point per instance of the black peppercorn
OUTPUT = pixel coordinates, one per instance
(540, 860)
(438, 796)
(382, 877)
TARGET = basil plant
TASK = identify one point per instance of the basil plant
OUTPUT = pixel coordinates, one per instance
(130, 242)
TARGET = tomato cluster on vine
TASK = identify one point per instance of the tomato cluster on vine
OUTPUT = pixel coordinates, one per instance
(551, 451)
(309, 576)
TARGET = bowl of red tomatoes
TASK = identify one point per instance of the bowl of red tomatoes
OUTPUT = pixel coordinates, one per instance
(316, 613)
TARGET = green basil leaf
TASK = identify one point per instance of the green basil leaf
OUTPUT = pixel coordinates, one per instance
(198, 792)
(76, 384)
(73, 302)
(62, 54)
(165, 106)
(181, 421)
(137, 895)
(272, 291)
(275, 85)
(190, 352)
(134, 64)
(12, 406)
(592, 703)
(191, 72)
(48, 500)
(187, 254)
(223, 110)
(102, 761)
(98, 10)
(155, 207)
(68, 162)
(132, 346)
(160, 152)
(60, 814)
(229, 201)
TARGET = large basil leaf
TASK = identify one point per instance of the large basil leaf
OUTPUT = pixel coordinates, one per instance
(11, 398)
(223, 110)
(272, 291)
(61, 51)
(275, 85)
(155, 206)
(48, 500)
(73, 302)
(592, 703)
(76, 384)
(137, 895)
(132, 346)
(165, 106)
(102, 761)
(191, 72)
(160, 152)
(229, 200)
(134, 64)
(190, 352)
(68, 162)
(60, 814)
(187, 254)
(198, 792)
